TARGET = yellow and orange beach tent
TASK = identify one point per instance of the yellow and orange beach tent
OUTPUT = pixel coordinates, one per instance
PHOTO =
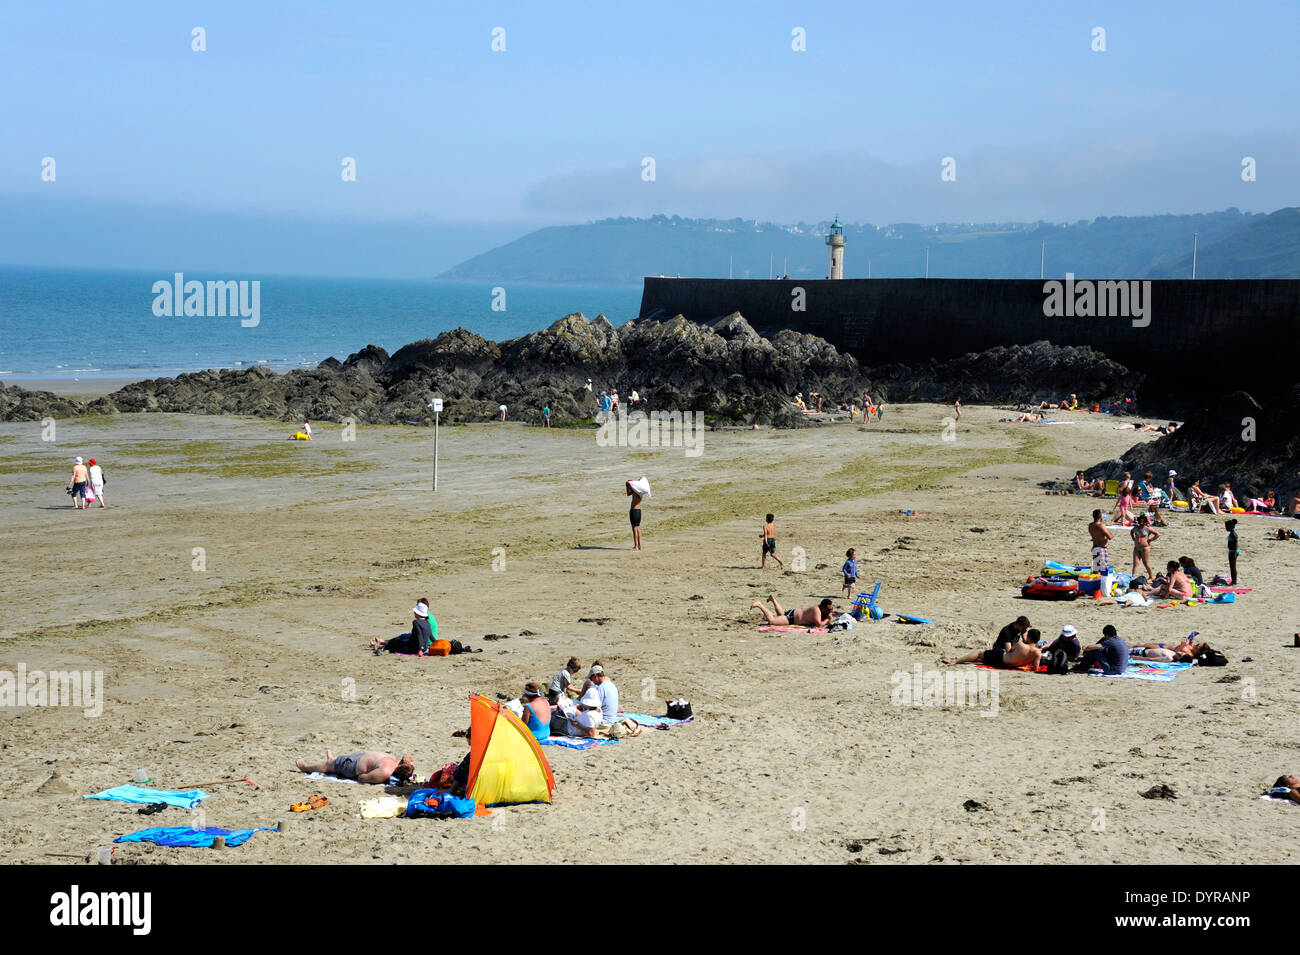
(505, 763)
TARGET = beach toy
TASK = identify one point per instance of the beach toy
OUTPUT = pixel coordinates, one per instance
(1180, 505)
(902, 618)
(1236, 510)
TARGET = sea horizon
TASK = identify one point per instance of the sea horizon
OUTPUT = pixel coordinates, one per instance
(77, 323)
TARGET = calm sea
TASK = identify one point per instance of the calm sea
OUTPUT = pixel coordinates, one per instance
(87, 323)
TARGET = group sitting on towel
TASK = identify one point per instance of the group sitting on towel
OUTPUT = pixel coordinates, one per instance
(568, 711)
(1018, 647)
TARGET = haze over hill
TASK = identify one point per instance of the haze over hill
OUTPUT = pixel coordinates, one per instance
(1232, 244)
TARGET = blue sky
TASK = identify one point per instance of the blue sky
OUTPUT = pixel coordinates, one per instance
(448, 133)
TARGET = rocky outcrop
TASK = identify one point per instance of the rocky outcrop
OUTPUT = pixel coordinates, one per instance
(723, 369)
(19, 404)
(1252, 444)
(1017, 374)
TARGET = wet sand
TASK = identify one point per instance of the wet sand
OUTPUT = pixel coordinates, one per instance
(798, 753)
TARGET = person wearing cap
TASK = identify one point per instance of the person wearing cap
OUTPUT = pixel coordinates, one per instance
(537, 712)
(424, 630)
(77, 484)
(1067, 641)
(607, 693)
(95, 475)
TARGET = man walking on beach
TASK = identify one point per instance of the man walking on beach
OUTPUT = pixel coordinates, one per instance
(1101, 538)
(77, 484)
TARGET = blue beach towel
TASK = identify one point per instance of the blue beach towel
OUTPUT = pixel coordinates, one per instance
(647, 720)
(570, 742)
(188, 837)
(1139, 669)
(184, 800)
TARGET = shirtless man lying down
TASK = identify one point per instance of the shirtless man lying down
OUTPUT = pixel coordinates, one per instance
(812, 617)
(369, 767)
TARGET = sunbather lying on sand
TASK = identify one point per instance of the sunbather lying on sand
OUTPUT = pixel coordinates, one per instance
(1286, 787)
(1179, 651)
(1024, 416)
(1023, 654)
(812, 617)
(1132, 598)
(369, 767)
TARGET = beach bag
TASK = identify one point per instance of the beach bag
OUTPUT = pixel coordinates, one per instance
(679, 710)
(428, 802)
(843, 622)
(1211, 658)
(1056, 661)
(440, 648)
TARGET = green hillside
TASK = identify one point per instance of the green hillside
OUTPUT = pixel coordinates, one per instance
(1267, 248)
(622, 251)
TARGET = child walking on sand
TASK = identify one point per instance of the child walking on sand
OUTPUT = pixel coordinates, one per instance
(768, 535)
(850, 571)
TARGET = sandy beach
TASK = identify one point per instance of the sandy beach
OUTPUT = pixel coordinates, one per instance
(228, 593)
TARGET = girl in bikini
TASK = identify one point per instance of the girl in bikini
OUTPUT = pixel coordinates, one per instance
(1143, 537)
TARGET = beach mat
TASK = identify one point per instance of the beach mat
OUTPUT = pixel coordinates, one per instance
(1149, 670)
(793, 630)
(187, 799)
(392, 780)
(1038, 669)
(1232, 590)
(191, 838)
(571, 742)
(653, 721)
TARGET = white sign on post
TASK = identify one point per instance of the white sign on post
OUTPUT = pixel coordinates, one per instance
(436, 405)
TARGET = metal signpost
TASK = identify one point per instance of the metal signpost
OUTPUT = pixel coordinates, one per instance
(436, 405)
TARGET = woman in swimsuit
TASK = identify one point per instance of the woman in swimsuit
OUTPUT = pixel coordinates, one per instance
(1143, 537)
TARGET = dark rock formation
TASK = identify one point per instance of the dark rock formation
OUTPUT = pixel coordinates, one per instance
(1018, 374)
(723, 369)
(18, 404)
(1254, 446)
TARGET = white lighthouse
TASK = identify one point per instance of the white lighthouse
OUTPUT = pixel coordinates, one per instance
(836, 241)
